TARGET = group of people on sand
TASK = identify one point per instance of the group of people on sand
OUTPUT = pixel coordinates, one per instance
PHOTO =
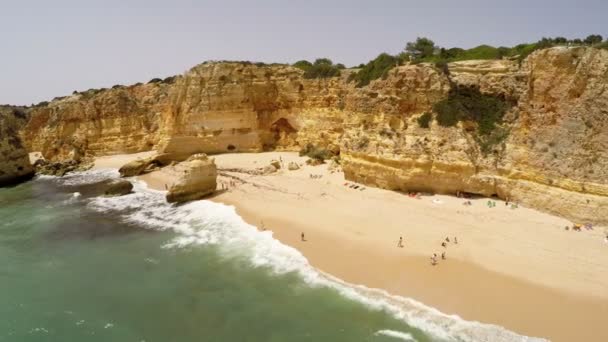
(231, 184)
(315, 176)
(444, 244)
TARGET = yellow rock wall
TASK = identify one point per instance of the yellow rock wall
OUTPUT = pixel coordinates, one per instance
(554, 158)
(14, 160)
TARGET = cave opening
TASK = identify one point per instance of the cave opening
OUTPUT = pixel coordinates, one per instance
(281, 133)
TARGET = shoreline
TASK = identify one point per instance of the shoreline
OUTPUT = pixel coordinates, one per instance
(512, 268)
(460, 288)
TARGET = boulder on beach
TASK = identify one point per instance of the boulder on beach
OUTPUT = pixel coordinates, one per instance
(145, 165)
(196, 178)
(268, 169)
(276, 164)
(119, 187)
(292, 166)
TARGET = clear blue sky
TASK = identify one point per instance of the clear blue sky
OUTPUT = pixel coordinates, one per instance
(52, 47)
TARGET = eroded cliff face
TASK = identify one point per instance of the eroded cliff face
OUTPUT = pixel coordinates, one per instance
(554, 155)
(551, 152)
(98, 122)
(236, 107)
(14, 160)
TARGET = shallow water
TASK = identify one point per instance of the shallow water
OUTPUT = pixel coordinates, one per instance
(79, 267)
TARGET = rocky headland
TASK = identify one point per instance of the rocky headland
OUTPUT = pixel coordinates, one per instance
(15, 165)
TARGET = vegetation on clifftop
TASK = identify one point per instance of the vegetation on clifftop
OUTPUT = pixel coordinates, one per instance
(376, 68)
(321, 68)
(425, 50)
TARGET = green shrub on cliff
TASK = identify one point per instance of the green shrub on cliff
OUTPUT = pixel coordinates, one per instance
(468, 104)
(315, 152)
(424, 120)
(374, 69)
(303, 64)
(321, 68)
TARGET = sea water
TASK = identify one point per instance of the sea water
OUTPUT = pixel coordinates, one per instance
(78, 266)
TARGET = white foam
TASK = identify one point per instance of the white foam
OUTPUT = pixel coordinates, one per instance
(396, 334)
(86, 177)
(205, 222)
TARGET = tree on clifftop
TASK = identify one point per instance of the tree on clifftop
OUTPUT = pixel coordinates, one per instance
(421, 48)
(593, 39)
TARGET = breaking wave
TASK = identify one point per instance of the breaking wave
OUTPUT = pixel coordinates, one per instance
(208, 223)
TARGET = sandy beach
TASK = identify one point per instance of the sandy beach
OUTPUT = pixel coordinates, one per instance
(518, 268)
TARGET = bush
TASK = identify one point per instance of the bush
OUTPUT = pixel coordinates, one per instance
(304, 65)
(314, 152)
(603, 45)
(374, 69)
(155, 80)
(420, 49)
(169, 80)
(468, 104)
(442, 65)
(593, 39)
(425, 119)
(321, 68)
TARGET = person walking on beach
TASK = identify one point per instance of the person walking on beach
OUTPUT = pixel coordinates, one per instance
(443, 245)
(455, 240)
(447, 239)
(434, 259)
(443, 255)
(400, 243)
(302, 236)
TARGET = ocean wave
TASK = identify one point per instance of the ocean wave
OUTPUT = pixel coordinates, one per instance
(81, 178)
(397, 334)
(205, 223)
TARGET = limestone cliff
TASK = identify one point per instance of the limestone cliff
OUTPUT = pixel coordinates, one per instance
(237, 107)
(98, 122)
(14, 160)
(554, 156)
(547, 149)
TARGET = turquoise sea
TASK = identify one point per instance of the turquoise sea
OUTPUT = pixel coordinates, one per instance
(77, 266)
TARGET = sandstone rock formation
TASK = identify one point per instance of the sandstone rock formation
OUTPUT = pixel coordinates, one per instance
(144, 165)
(268, 169)
(276, 164)
(119, 188)
(196, 179)
(14, 161)
(98, 122)
(292, 166)
(549, 150)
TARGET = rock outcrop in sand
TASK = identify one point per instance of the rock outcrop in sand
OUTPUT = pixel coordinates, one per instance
(548, 151)
(144, 165)
(14, 161)
(196, 178)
